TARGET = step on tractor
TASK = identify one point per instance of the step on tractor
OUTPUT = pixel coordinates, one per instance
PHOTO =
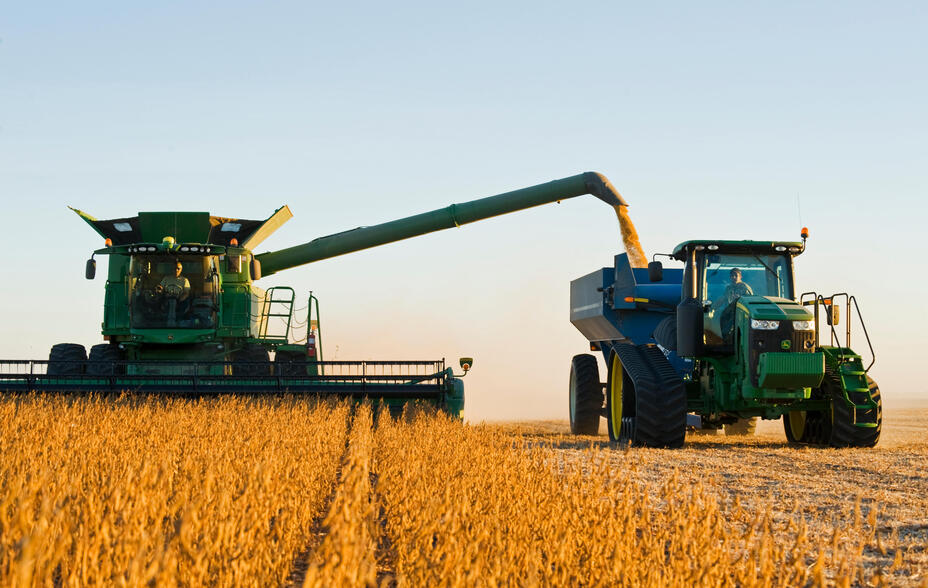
(182, 313)
(716, 344)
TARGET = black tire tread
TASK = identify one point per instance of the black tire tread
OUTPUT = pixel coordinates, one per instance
(66, 359)
(660, 397)
(589, 390)
(251, 360)
(844, 432)
(102, 358)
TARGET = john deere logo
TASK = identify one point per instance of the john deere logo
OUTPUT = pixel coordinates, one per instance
(785, 344)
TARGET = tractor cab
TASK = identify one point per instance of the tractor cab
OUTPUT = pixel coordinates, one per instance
(720, 273)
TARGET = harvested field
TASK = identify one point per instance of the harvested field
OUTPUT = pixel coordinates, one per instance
(287, 492)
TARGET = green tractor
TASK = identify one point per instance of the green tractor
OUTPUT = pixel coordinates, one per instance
(717, 344)
(183, 314)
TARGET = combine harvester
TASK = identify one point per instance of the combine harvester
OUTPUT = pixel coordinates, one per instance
(182, 313)
(717, 344)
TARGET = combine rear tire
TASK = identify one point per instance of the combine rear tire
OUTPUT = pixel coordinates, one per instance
(103, 359)
(586, 395)
(741, 427)
(844, 433)
(66, 359)
(252, 360)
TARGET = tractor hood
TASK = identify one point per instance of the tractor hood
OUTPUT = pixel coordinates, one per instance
(771, 308)
(187, 227)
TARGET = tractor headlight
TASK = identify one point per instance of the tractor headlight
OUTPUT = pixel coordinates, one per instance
(804, 325)
(765, 325)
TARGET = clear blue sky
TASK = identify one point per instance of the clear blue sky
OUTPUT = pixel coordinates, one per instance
(710, 118)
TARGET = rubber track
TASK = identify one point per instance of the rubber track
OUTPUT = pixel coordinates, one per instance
(660, 406)
(844, 433)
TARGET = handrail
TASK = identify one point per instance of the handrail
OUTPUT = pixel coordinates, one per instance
(835, 339)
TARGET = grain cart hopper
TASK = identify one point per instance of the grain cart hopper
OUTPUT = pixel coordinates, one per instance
(182, 312)
(718, 343)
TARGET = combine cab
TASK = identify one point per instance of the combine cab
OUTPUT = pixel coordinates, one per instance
(717, 344)
(183, 314)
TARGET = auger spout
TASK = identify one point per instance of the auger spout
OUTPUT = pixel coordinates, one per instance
(444, 218)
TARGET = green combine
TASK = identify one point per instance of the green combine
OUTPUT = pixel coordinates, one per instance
(182, 313)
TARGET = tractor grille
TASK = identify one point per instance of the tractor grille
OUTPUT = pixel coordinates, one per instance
(772, 341)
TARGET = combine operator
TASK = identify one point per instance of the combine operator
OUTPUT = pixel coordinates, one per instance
(176, 286)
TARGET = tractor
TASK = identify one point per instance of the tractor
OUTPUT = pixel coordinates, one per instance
(716, 344)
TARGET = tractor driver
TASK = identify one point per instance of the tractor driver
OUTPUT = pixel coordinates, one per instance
(176, 286)
(735, 289)
(725, 305)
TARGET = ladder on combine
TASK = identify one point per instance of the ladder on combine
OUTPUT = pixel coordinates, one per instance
(278, 304)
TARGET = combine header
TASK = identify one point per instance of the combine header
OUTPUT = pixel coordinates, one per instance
(182, 313)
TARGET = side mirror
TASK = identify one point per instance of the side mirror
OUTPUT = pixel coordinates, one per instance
(655, 271)
(466, 363)
(255, 269)
(833, 314)
(90, 272)
(689, 327)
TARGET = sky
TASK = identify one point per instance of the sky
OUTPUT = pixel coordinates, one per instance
(714, 120)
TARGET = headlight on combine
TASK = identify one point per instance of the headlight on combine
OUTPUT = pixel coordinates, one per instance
(765, 325)
(803, 325)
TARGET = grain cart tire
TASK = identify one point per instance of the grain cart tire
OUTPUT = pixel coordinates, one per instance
(251, 360)
(645, 398)
(844, 433)
(102, 360)
(66, 359)
(741, 427)
(586, 395)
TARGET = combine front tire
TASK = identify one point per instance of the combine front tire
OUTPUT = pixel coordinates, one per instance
(741, 427)
(586, 395)
(66, 359)
(252, 360)
(103, 360)
(290, 363)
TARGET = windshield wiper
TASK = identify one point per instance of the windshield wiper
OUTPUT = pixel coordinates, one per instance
(769, 269)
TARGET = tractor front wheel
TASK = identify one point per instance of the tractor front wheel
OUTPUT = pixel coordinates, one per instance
(586, 395)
